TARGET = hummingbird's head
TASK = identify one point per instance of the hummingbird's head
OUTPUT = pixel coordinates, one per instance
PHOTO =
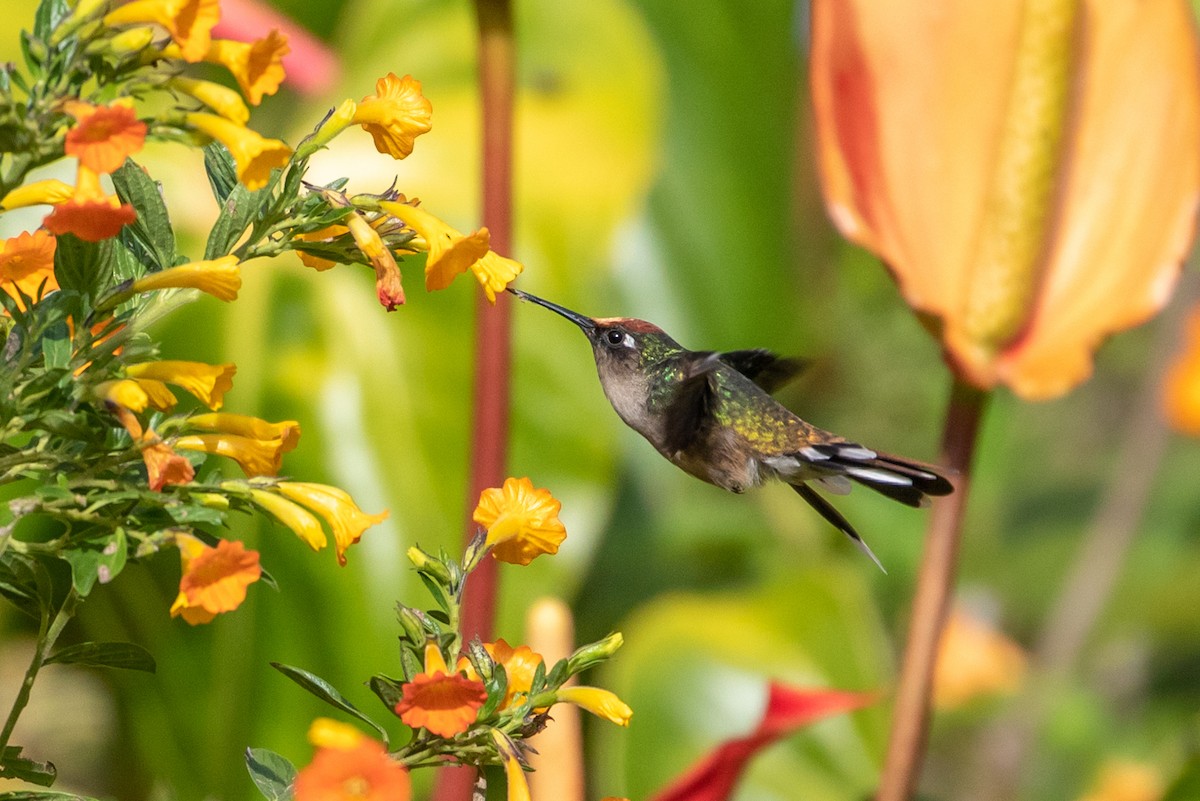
(622, 345)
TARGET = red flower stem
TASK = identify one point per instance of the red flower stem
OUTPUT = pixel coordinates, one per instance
(493, 332)
(935, 584)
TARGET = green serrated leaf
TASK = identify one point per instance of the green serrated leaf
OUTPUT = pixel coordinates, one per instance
(192, 513)
(410, 663)
(272, 773)
(15, 766)
(327, 693)
(497, 686)
(19, 584)
(150, 235)
(388, 689)
(238, 211)
(123, 655)
(221, 171)
(98, 560)
(437, 591)
(56, 346)
(49, 14)
(86, 267)
(558, 674)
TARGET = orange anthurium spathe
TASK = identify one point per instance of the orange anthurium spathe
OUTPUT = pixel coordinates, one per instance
(1028, 171)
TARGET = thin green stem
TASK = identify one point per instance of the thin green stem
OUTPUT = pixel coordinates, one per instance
(935, 585)
(47, 635)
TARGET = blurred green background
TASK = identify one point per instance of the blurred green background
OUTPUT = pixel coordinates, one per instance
(664, 171)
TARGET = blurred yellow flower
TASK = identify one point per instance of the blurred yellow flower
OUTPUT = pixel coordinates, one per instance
(991, 154)
(444, 703)
(329, 733)
(214, 579)
(450, 253)
(345, 519)
(104, 136)
(50, 191)
(295, 517)
(521, 522)
(256, 457)
(255, 155)
(288, 431)
(519, 663)
(1126, 780)
(190, 22)
(599, 702)
(220, 278)
(974, 660)
(257, 66)
(89, 213)
(1181, 390)
(518, 786)
(26, 263)
(395, 115)
(208, 382)
(221, 99)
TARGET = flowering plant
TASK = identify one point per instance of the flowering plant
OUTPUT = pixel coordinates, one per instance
(102, 465)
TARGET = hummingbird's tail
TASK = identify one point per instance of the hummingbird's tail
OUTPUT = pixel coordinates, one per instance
(826, 510)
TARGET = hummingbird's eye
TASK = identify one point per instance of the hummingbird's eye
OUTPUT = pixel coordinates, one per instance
(614, 337)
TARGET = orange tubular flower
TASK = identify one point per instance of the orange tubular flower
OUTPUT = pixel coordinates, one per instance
(26, 263)
(208, 382)
(190, 22)
(104, 136)
(220, 278)
(345, 519)
(164, 467)
(994, 156)
(521, 522)
(255, 155)
(214, 579)
(395, 115)
(257, 66)
(256, 457)
(519, 663)
(287, 432)
(444, 703)
(350, 766)
(450, 253)
(90, 214)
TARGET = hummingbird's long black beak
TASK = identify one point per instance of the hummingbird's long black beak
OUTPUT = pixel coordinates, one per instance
(586, 323)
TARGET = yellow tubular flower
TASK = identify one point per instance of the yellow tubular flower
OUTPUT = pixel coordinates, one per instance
(288, 432)
(123, 392)
(346, 520)
(450, 253)
(49, 192)
(256, 457)
(208, 382)
(157, 393)
(600, 703)
(220, 278)
(495, 272)
(257, 66)
(521, 522)
(293, 516)
(254, 154)
(190, 22)
(221, 99)
(518, 787)
(395, 115)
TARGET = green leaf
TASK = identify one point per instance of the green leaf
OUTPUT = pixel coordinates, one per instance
(326, 692)
(150, 236)
(56, 346)
(123, 655)
(1187, 786)
(15, 766)
(221, 170)
(388, 689)
(86, 267)
(43, 795)
(19, 585)
(273, 774)
(98, 560)
(49, 14)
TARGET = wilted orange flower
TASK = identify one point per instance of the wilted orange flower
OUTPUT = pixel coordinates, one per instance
(208, 382)
(514, 772)
(395, 115)
(521, 522)
(975, 660)
(345, 519)
(164, 466)
(387, 274)
(49, 191)
(214, 579)
(349, 766)
(519, 663)
(221, 99)
(288, 431)
(294, 516)
(254, 155)
(104, 136)
(256, 457)
(26, 261)
(220, 278)
(190, 22)
(450, 253)
(1181, 392)
(257, 66)
(89, 214)
(995, 157)
(444, 703)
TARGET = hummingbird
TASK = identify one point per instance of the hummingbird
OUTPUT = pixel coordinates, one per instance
(712, 415)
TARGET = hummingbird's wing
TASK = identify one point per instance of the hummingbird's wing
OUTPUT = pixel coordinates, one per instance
(689, 412)
(769, 370)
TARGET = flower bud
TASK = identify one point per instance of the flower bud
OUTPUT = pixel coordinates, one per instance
(588, 655)
(337, 121)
